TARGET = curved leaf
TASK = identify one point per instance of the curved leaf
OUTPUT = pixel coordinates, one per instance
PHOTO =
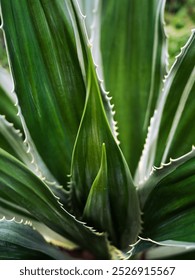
(134, 56)
(168, 249)
(28, 191)
(158, 174)
(177, 117)
(169, 210)
(171, 133)
(9, 209)
(21, 241)
(47, 77)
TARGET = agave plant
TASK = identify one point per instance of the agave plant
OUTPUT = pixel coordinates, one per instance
(63, 165)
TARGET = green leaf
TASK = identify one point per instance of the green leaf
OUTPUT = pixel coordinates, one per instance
(88, 10)
(134, 54)
(81, 26)
(47, 77)
(169, 134)
(92, 13)
(9, 209)
(7, 107)
(169, 249)
(11, 140)
(28, 191)
(4, 144)
(141, 247)
(20, 240)
(174, 138)
(15, 252)
(159, 173)
(98, 201)
(169, 208)
(93, 132)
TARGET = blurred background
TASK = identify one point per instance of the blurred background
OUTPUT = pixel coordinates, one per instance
(179, 18)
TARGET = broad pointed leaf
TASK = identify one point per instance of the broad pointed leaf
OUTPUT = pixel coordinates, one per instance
(31, 193)
(47, 76)
(134, 55)
(21, 241)
(169, 210)
(93, 132)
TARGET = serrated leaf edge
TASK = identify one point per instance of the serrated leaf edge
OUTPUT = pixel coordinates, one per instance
(89, 45)
(166, 243)
(162, 171)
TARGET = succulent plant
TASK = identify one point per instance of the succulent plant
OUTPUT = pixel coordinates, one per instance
(71, 177)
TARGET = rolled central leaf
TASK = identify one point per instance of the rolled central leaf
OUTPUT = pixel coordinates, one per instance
(93, 132)
(97, 209)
